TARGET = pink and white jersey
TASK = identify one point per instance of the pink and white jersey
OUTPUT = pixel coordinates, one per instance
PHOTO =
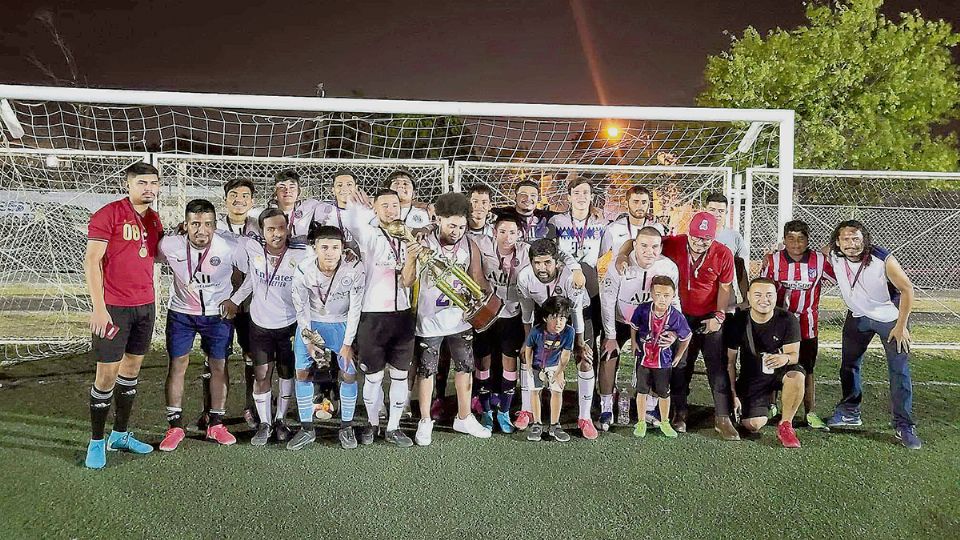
(300, 218)
(201, 277)
(269, 283)
(620, 230)
(383, 259)
(437, 315)
(322, 298)
(535, 292)
(799, 284)
(413, 217)
(621, 294)
(483, 232)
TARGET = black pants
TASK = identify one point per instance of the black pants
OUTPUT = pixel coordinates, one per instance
(715, 358)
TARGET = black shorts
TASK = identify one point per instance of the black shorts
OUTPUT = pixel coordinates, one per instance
(273, 345)
(655, 379)
(505, 336)
(241, 328)
(756, 394)
(459, 345)
(385, 338)
(808, 354)
(135, 332)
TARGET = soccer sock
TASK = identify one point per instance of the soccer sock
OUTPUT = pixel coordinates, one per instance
(585, 382)
(283, 401)
(215, 417)
(372, 394)
(606, 403)
(483, 388)
(348, 402)
(99, 409)
(525, 390)
(248, 377)
(262, 402)
(398, 397)
(508, 386)
(205, 383)
(127, 391)
(175, 417)
(305, 401)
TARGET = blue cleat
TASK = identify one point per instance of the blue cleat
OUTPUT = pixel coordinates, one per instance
(487, 420)
(606, 420)
(503, 420)
(844, 420)
(96, 454)
(908, 437)
(124, 440)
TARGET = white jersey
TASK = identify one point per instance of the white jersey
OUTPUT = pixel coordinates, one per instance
(413, 217)
(734, 240)
(250, 228)
(328, 213)
(621, 294)
(322, 298)
(620, 230)
(579, 238)
(383, 259)
(300, 217)
(867, 290)
(437, 315)
(201, 277)
(485, 231)
(533, 291)
(269, 283)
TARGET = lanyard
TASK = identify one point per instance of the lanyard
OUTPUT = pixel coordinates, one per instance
(396, 267)
(630, 227)
(202, 257)
(276, 268)
(694, 268)
(243, 228)
(508, 270)
(324, 296)
(579, 237)
(143, 230)
(556, 280)
(850, 276)
(291, 226)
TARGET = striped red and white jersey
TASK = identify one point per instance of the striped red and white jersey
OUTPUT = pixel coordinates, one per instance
(799, 284)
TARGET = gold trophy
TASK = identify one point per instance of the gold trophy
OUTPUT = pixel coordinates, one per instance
(323, 352)
(479, 309)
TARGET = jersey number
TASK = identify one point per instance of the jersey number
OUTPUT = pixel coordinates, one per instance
(131, 232)
(442, 300)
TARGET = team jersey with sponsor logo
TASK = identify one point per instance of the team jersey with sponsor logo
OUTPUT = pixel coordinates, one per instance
(622, 293)
(437, 315)
(201, 277)
(649, 329)
(549, 347)
(620, 230)
(799, 284)
(579, 238)
(535, 292)
(535, 226)
(127, 277)
(413, 217)
(269, 284)
(700, 279)
(336, 298)
(383, 259)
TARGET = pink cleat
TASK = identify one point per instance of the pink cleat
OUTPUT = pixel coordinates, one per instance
(172, 439)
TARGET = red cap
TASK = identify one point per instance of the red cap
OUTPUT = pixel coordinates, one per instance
(703, 225)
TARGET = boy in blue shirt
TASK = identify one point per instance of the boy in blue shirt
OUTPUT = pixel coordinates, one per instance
(545, 355)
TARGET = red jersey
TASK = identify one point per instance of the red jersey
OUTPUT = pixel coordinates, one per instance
(127, 277)
(799, 285)
(700, 279)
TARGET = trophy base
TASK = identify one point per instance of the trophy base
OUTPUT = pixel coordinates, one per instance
(485, 313)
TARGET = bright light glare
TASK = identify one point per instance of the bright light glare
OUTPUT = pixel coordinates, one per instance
(613, 132)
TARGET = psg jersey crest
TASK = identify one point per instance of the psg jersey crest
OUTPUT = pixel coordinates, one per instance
(215, 261)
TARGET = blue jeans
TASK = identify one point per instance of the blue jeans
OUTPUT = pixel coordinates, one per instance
(857, 334)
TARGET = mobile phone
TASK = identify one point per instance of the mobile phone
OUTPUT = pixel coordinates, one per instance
(111, 331)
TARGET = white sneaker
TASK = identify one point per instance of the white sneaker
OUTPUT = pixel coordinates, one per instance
(471, 426)
(424, 435)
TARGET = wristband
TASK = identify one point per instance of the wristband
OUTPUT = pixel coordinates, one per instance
(719, 315)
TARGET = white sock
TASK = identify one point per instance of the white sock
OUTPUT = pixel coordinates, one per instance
(399, 392)
(606, 403)
(525, 390)
(586, 380)
(263, 402)
(287, 392)
(372, 394)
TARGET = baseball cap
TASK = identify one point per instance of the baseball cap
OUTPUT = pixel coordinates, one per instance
(703, 225)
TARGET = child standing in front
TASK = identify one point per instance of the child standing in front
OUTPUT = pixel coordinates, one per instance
(545, 355)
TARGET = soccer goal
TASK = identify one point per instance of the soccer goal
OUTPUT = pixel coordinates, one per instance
(63, 150)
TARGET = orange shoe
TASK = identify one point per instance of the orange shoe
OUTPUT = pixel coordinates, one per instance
(587, 428)
(172, 439)
(219, 434)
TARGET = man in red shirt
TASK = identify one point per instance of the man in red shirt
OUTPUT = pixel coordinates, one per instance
(118, 265)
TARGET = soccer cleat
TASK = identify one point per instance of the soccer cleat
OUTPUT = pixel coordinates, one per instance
(908, 437)
(262, 435)
(471, 426)
(126, 441)
(172, 439)
(280, 431)
(535, 433)
(203, 421)
(844, 420)
(680, 422)
(787, 435)
(503, 420)
(436, 409)
(424, 434)
(368, 433)
(220, 435)
(815, 422)
(667, 429)
(475, 405)
(653, 417)
(348, 439)
(301, 439)
(640, 430)
(559, 434)
(523, 420)
(250, 417)
(96, 454)
(587, 429)
(487, 420)
(724, 427)
(398, 438)
(323, 410)
(606, 420)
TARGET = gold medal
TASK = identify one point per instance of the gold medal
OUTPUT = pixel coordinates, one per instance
(143, 252)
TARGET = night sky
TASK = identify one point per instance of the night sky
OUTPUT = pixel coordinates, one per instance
(647, 53)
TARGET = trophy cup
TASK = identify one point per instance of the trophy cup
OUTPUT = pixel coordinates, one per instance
(314, 338)
(479, 309)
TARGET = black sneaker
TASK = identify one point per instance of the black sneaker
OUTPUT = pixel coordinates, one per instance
(250, 417)
(535, 432)
(281, 431)
(301, 439)
(368, 433)
(398, 438)
(262, 435)
(558, 433)
(348, 439)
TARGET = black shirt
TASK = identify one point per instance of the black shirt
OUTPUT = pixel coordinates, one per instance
(770, 337)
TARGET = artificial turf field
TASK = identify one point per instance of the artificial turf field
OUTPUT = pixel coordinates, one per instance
(852, 484)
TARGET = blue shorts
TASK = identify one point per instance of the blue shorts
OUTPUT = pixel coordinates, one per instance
(216, 334)
(332, 334)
